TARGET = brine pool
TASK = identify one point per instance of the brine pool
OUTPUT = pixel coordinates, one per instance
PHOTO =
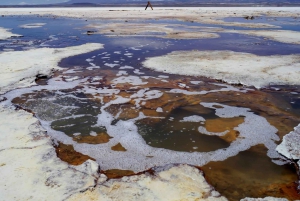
(106, 105)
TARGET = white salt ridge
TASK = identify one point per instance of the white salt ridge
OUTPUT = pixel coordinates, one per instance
(6, 34)
(203, 130)
(133, 80)
(193, 118)
(159, 109)
(163, 76)
(195, 82)
(121, 72)
(14, 74)
(290, 145)
(137, 71)
(232, 67)
(264, 199)
(32, 25)
(225, 88)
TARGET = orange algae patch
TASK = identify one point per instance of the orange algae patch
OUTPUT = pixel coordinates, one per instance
(251, 173)
(117, 173)
(118, 147)
(223, 124)
(99, 139)
(68, 154)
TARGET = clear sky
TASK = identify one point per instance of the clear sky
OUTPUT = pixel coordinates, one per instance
(24, 2)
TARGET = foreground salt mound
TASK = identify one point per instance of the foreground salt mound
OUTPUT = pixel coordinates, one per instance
(6, 34)
(181, 182)
(29, 162)
(232, 67)
(290, 145)
(20, 68)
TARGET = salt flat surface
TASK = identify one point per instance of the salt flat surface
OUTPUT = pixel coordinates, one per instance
(232, 67)
(20, 68)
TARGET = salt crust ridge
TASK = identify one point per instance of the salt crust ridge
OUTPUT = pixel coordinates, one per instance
(232, 67)
(6, 34)
(15, 74)
(29, 161)
(290, 146)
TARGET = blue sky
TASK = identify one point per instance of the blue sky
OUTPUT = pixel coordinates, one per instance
(24, 2)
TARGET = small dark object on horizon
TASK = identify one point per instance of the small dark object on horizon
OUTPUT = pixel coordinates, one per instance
(90, 32)
(249, 17)
(148, 4)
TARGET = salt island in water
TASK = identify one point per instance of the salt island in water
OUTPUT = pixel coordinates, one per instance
(163, 104)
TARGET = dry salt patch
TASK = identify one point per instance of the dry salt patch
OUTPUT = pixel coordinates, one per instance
(111, 65)
(32, 26)
(122, 72)
(126, 67)
(6, 34)
(232, 67)
(193, 118)
(15, 74)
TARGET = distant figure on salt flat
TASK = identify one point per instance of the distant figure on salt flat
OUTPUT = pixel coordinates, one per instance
(148, 4)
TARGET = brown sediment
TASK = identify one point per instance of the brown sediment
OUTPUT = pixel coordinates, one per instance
(262, 103)
(118, 147)
(116, 173)
(224, 124)
(99, 139)
(68, 154)
(251, 174)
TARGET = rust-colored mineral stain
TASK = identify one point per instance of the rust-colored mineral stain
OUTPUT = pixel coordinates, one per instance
(101, 138)
(68, 154)
(117, 173)
(223, 124)
(118, 147)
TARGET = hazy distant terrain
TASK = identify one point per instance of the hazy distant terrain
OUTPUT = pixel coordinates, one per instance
(92, 3)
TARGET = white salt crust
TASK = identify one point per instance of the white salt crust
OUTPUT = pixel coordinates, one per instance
(6, 34)
(29, 161)
(264, 199)
(255, 130)
(22, 72)
(231, 67)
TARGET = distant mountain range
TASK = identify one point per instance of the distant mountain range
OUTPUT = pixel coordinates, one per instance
(179, 3)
